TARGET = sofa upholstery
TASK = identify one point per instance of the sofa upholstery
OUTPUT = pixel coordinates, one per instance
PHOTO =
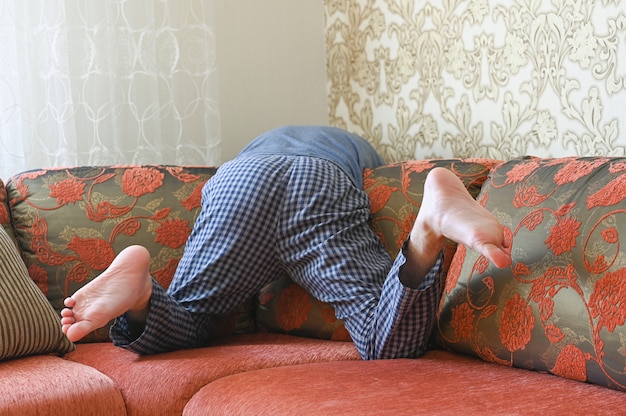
(283, 352)
(462, 386)
(561, 307)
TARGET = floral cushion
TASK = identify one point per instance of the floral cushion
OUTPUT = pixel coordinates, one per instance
(561, 306)
(70, 223)
(395, 192)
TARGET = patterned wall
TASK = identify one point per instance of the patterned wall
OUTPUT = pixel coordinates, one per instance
(479, 78)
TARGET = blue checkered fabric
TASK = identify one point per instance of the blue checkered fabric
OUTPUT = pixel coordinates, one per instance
(266, 214)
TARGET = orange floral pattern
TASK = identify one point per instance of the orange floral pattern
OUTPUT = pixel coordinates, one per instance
(140, 181)
(96, 253)
(608, 301)
(68, 191)
(285, 307)
(571, 363)
(395, 193)
(70, 223)
(462, 321)
(561, 306)
(173, 233)
(294, 305)
(516, 324)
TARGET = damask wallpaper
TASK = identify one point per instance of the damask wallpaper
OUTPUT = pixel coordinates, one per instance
(479, 78)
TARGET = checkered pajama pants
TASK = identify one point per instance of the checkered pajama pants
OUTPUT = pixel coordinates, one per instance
(265, 215)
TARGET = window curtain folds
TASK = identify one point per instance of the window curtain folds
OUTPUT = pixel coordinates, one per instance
(107, 82)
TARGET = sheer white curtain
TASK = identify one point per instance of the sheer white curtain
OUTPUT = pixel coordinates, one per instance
(107, 82)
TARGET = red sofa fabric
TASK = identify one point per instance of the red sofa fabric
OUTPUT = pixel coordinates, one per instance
(162, 384)
(253, 373)
(440, 383)
(49, 385)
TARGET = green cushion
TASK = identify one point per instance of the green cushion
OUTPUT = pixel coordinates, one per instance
(70, 223)
(561, 307)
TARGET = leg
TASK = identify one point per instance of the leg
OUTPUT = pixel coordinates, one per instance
(332, 252)
(328, 247)
(228, 258)
(124, 286)
(448, 211)
(230, 254)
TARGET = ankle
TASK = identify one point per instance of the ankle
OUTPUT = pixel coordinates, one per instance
(421, 252)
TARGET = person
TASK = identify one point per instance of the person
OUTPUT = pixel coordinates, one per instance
(292, 201)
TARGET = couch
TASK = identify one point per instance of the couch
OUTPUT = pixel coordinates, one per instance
(545, 336)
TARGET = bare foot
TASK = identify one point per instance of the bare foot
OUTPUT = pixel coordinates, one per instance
(124, 286)
(449, 211)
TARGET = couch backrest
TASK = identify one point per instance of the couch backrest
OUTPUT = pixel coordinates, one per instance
(561, 306)
(70, 223)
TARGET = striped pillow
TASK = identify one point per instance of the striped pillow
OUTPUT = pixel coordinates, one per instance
(28, 323)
